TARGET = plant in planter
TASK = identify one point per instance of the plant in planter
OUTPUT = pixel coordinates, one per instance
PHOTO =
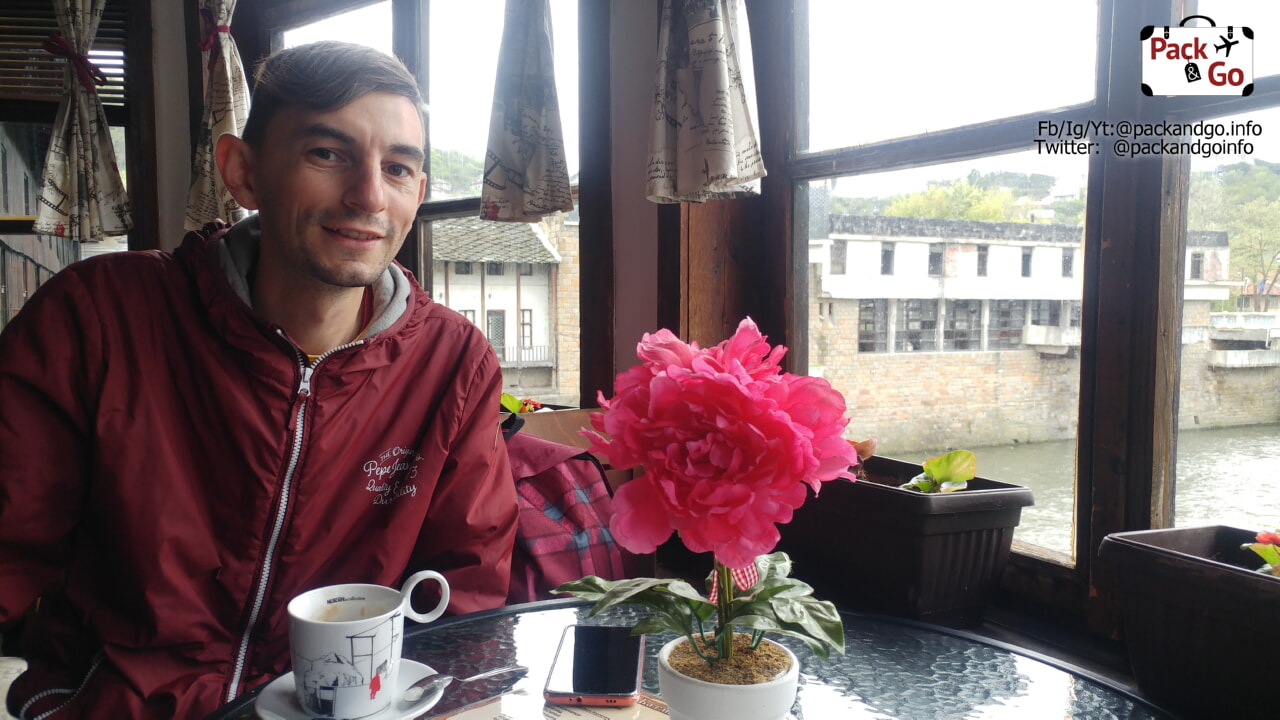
(1195, 612)
(945, 473)
(934, 556)
(1267, 547)
(728, 443)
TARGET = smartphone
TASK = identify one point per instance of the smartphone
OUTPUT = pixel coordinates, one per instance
(596, 665)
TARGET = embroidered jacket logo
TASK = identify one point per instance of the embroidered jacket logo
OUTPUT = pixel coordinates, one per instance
(390, 476)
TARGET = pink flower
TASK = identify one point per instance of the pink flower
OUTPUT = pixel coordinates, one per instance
(1269, 538)
(727, 441)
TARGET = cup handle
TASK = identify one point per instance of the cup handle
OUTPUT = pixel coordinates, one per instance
(406, 595)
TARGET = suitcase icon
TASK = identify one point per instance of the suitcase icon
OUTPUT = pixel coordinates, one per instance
(1197, 60)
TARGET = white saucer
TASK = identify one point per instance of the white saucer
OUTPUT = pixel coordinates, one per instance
(278, 701)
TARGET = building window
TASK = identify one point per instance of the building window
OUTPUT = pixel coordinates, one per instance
(1197, 266)
(493, 268)
(526, 268)
(4, 179)
(1046, 312)
(1007, 319)
(917, 329)
(964, 325)
(462, 268)
(468, 314)
(26, 194)
(1026, 262)
(935, 260)
(496, 331)
(1074, 310)
(873, 326)
(839, 255)
(982, 260)
(1068, 262)
(886, 258)
(526, 328)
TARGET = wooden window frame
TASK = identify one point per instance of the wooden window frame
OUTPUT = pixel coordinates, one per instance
(1129, 350)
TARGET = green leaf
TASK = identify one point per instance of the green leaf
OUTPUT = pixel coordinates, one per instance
(956, 466)
(510, 403)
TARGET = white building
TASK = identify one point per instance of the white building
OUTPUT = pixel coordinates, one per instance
(501, 276)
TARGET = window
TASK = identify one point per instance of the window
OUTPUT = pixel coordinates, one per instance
(1068, 262)
(839, 250)
(982, 260)
(4, 179)
(493, 268)
(935, 260)
(873, 326)
(1026, 262)
(1008, 317)
(468, 314)
(964, 325)
(1046, 312)
(1197, 266)
(496, 331)
(886, 258)
(917, 326)
(26, 194)
(462, 268)
(526, 269)
(526, 328)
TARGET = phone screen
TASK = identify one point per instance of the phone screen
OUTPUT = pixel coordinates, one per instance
(596, 665)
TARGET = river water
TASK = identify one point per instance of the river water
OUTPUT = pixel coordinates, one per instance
(1227, 476)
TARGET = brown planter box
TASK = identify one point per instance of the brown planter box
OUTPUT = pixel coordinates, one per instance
(935, 557)
(1199, 621)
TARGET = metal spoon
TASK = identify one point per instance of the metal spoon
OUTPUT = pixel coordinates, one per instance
(432, 684)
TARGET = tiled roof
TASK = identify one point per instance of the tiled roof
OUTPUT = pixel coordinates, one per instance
(476, 240)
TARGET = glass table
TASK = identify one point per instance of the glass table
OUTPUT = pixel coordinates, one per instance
(892, 669)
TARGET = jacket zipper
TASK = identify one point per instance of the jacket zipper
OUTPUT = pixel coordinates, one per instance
(304, 392)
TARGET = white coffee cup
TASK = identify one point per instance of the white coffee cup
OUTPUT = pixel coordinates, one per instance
(345, 641)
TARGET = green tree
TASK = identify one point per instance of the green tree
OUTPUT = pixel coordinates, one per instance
(455, 174)
(959, 200)
(1254, 236)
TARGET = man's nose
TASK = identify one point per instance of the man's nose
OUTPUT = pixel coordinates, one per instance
(365, 192)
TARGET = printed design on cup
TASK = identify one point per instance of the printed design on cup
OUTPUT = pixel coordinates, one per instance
(330, 682)
(390, 475)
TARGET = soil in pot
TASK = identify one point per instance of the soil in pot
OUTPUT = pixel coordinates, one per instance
(747, 666)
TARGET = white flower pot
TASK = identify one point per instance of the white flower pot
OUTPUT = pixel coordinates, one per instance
(692, 699)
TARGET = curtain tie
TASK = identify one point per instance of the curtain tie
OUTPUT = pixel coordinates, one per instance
(210, 41)
(89, 73)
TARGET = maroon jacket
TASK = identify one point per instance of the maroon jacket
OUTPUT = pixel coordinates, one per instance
(172, 473)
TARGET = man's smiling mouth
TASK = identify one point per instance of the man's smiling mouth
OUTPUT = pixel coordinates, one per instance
(354, 235)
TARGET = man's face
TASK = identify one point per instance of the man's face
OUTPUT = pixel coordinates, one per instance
(338, 191)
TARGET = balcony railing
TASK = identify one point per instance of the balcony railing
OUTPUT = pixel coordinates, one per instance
(518, 356)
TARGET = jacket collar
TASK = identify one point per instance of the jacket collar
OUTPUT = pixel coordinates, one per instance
(238, 252)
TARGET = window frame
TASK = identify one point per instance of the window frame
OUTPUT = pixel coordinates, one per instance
(1130, 328)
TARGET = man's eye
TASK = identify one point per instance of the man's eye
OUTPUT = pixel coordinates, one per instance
(399, 171)
(324, 153)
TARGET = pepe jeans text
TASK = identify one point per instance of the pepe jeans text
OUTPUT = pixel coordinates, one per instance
(390, 476)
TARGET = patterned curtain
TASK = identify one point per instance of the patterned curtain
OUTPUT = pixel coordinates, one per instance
(81, 194)
(704, 143)
(226, 108)
(525, 174)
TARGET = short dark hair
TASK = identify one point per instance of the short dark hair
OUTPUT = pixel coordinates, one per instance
(324, 76)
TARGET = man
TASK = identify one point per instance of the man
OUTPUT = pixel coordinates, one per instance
(190, 439)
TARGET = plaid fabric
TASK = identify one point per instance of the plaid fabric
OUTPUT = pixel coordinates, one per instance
(744, 578)
(565, 508)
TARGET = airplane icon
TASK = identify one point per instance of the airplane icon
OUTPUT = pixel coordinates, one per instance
(1227, 44)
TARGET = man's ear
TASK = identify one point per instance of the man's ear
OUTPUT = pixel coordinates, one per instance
(235, 162)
